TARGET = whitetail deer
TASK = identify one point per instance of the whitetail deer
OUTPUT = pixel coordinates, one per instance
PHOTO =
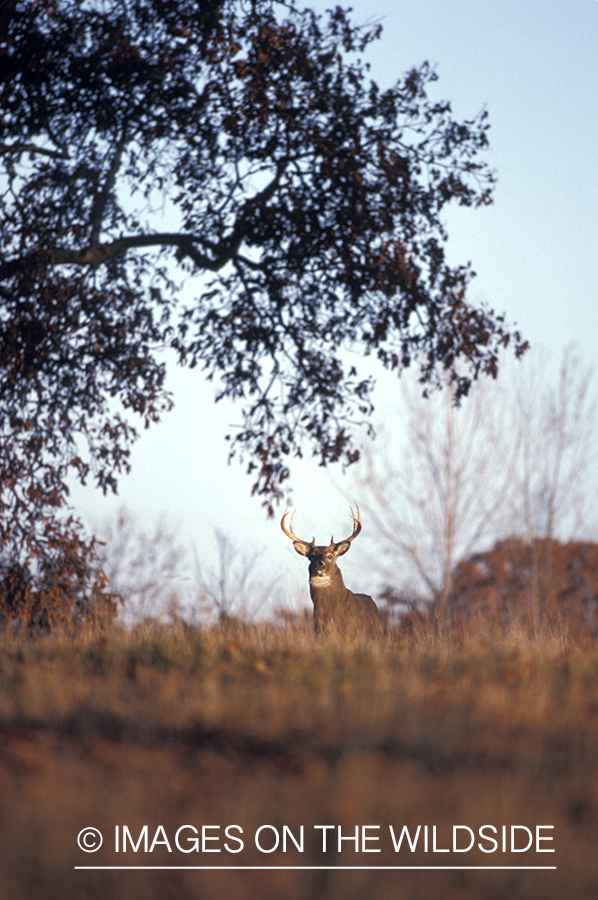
(337, 610)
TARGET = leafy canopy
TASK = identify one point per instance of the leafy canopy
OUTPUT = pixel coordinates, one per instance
(224, 179)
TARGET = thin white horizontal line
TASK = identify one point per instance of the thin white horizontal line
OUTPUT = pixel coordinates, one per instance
(265, 868)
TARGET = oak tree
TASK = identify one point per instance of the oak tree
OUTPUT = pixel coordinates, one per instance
(224, 179)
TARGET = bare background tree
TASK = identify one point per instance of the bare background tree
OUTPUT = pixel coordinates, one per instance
(517, 458)
(232, 588)
(151, 570)
(161, 578)
(433, 491)
(553, 423)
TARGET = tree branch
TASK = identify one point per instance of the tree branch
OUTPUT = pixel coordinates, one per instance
(95, 256)
(19, 148)
(97, 213)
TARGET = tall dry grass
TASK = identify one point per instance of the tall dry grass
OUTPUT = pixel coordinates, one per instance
(254, 725)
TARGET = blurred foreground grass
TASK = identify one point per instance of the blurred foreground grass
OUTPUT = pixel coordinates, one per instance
(258, 725)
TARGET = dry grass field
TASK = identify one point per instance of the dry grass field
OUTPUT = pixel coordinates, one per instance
(171, 727)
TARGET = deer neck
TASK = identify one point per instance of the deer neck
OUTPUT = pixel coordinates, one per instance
(321, 586)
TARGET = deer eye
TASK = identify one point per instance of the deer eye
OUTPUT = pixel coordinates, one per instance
(329, 556)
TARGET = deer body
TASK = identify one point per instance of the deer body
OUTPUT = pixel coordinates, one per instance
(337, 610)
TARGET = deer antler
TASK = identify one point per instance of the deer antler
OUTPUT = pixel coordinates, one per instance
(356, 527)
(290, 532)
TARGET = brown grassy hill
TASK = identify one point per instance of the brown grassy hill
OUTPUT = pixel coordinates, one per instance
(173, 727)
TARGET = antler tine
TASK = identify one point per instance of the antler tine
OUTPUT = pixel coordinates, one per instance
(356, 522)
(356, 526)
(357, 519)
(290, 531)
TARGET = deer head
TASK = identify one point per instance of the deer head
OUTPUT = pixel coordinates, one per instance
(322, 560)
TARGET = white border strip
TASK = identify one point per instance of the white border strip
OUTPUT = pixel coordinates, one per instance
(332, 868)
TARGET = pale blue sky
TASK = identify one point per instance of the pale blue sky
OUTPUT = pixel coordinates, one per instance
(534, 65)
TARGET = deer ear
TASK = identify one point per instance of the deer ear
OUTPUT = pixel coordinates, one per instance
(342, 548)
(301, 548)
